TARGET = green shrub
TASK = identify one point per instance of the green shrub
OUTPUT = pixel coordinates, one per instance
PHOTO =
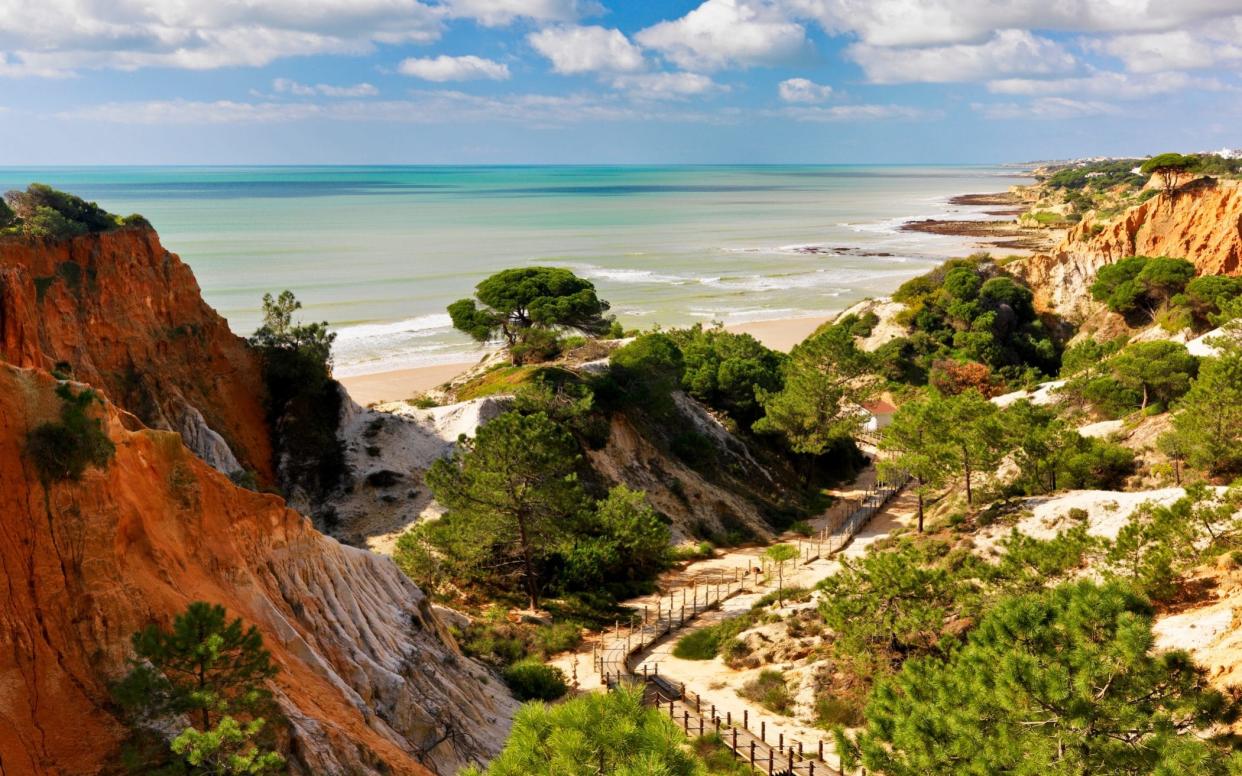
(770, 691)
(557, 637)
(63, 451)
(802, 528)
(1058, 678)
(531, 680)
(966, 310)
(1138, 285)
(648, 370)
(703, 549)
(718, 757)
(723, 369)
(595, 733)
(832, 712)
(41, 211)
(304, 400)
(699, 645)
(536, 347)
(697, 450)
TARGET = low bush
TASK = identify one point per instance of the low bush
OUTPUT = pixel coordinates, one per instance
(770, 691)
(63, 450)
(531, 680)
(698, 645)
(832, 712)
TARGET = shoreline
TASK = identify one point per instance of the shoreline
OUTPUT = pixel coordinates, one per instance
(401, 384)
(1000, 231)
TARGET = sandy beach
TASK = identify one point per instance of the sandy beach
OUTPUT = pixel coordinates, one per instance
(401, 384)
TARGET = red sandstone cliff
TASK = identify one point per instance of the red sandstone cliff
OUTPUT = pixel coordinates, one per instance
(369, 679)
(126, 316)
(1201, 223)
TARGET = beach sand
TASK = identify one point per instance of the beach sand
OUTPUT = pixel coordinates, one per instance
(406, 383)
(781, 335)
(400, 383)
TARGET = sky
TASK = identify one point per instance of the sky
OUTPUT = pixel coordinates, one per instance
(614, 81)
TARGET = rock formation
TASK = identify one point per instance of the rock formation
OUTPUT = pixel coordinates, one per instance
(370, 680)
(1202, 223)
(124, 315)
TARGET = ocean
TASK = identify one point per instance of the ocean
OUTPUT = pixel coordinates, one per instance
(378, 252)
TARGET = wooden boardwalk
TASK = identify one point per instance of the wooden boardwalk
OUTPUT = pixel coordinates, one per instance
(697, 716)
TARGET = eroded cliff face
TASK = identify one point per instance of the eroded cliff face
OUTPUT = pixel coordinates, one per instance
(370, 680)
(1201, 223)
(126, 316)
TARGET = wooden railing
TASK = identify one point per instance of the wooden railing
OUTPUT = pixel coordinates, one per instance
(681, 606)
(766, 755)
(670, 614)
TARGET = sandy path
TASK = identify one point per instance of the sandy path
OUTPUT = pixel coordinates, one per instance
(712, 679)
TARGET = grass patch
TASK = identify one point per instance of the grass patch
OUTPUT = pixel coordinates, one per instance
(717, 757)
(707, 643)
(832, 712)
(790, 595)
(496, 640)
(699, 645)
(703, 549)
(504, 379)
(770, 691)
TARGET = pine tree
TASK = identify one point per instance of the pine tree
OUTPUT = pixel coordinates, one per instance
(780, 554)
(1208, 423)
(1063, 682)
(511, 495)
(825, 382)
(974, 430)
(597, 733)
(211, 672)
(918, 445)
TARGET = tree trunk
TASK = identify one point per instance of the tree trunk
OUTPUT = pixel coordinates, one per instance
(528, 565)
(1177, 471)
(920, 490)
(780, 584)
(1144, 397)
(970, 496)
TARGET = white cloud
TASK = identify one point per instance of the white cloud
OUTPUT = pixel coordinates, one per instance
(497, 13)
(1046, 108)
(1178, 50)
(288, 86)
(51, 37)
(663, 86)
(446, 68)
(803, 90)
(1105, 84)
(842, 113)
(943, 22)
(575, 49)
(1008, 52)
(430, 107)
(724, 33)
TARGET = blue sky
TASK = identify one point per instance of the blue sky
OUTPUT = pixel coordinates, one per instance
(587, 81)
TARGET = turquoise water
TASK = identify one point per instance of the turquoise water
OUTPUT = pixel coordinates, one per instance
(379, 251)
